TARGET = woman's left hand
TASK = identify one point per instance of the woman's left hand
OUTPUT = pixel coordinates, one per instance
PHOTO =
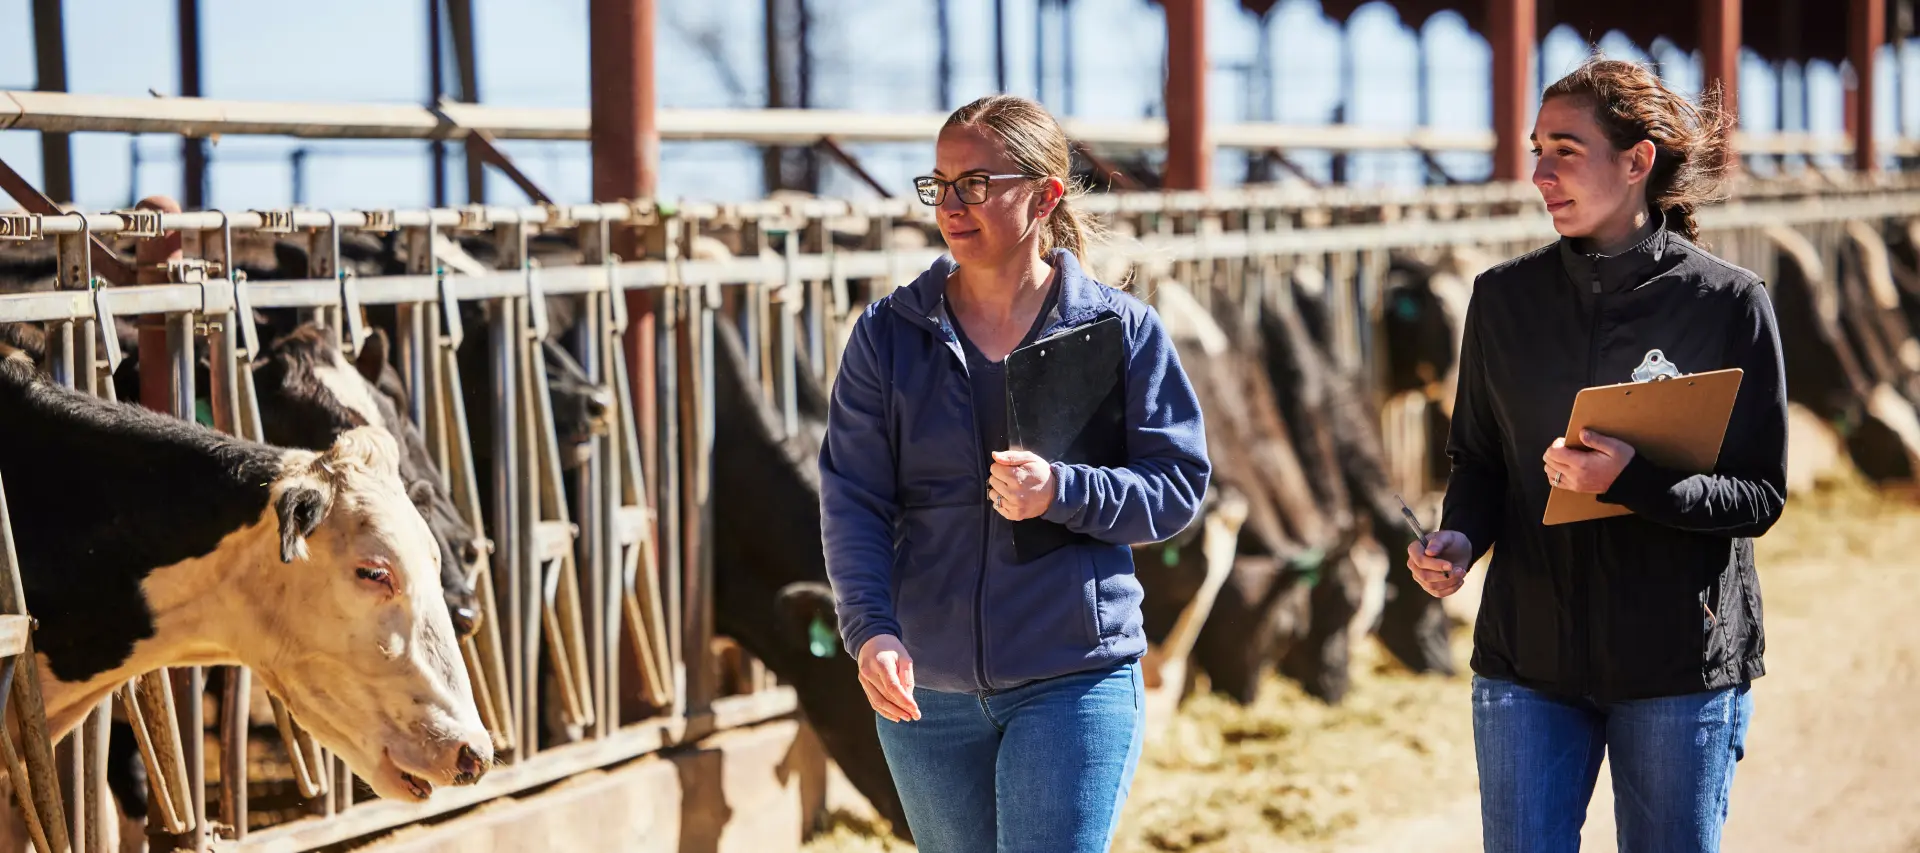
(1021, 485)
(1592, 470)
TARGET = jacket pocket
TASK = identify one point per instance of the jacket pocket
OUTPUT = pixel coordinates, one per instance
(1090, 595)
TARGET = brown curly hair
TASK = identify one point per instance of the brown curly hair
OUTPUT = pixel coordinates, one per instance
(1692, 142)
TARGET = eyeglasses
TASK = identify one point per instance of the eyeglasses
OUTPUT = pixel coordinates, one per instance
(972, 188)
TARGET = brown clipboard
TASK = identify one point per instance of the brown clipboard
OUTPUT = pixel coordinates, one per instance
(1676, 423)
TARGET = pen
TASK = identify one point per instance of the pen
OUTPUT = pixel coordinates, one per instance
(1412, 520)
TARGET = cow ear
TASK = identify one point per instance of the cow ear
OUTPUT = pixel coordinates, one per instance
(301, 509)
(805, 618)
(373, 355)
(421, 493)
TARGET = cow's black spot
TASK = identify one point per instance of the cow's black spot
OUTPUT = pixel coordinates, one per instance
(100, 494)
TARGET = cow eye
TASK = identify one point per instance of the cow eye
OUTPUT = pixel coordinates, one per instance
(376, 574)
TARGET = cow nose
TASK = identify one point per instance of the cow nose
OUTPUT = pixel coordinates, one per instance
(466, 621)
(470, 765)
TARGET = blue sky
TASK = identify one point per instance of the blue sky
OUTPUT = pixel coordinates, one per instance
(874, 55)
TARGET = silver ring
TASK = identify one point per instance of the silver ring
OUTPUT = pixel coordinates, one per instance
(996, 501)
(1558, 477)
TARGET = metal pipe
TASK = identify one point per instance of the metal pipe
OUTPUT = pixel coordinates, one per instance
(460, 27)
(50, 61)
(1189, 160)
(506, 529)
(1510, 31)
(1720, 51)
(436, 89)
(193, 148)
(625, 131)
(1866, 32)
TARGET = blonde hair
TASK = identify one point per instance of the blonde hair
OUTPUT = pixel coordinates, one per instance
(1037, 145)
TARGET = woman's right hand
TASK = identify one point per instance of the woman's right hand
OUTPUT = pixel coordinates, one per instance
(886, 673)
(1441, 566)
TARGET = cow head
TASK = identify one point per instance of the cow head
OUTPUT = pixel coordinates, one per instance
(309, 393)
(357, 641)
(461, 547)
(580, 408)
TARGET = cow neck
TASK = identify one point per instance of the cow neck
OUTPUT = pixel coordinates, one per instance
(132, 529)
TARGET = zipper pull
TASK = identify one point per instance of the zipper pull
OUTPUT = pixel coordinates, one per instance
(1596, 283)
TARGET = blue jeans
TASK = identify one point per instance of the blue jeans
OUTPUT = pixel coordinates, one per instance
(1672, 760)
(1043, 767)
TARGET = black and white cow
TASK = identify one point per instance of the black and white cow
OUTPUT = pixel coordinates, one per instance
(145, 541)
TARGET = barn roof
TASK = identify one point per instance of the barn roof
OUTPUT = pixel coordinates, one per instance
(1793, 29)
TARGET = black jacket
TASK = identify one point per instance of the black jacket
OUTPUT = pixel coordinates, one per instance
(1661, 602)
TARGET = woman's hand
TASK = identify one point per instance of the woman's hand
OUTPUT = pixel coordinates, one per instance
(886, 674)
(1440, 567)
(1591, 471)
(1021, 485)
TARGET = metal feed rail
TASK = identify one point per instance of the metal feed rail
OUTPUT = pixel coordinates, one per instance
(649, 585)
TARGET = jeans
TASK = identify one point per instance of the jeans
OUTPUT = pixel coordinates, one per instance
(1040, 767)
(1672, 760)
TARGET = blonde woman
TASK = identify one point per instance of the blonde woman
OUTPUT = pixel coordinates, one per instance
(1008, 693)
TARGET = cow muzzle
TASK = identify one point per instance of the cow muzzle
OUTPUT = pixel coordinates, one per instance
(412, 770)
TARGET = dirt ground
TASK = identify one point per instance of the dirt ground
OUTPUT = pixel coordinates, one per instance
(1391, 769)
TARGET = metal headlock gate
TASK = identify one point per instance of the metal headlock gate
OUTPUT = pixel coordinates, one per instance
(632, 578)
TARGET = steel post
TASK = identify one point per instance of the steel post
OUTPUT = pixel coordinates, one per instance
(1189, 159)
(1510, 31)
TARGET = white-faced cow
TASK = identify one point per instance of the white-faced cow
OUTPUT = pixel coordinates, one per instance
(145, 541)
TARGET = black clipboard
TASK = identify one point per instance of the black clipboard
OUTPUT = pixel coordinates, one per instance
(1067, 402)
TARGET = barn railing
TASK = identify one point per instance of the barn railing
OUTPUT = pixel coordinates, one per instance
(202, 117)
(638, 598)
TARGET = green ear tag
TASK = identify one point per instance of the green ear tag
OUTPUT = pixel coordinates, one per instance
(203, 411)
(822, 641)
(1170, 556)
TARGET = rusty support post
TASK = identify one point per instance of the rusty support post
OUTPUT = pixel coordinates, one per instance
(626, 165)
(626, 140)
(50, 61)
(1866, 32)
(1720, 52)
(193, 148)
(1510, 32)
(1189, 160)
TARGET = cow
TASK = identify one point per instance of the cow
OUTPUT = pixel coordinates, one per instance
(308, 393)
(312, 568)
(1825, 373)
(770, 575)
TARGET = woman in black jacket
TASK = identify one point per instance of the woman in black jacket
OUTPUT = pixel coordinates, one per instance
(1636, 636)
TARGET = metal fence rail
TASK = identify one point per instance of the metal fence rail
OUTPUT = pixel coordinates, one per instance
(65, 112)
(631, 577)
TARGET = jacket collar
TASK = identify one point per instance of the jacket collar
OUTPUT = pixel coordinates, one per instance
(1624, 271)
(925, 300)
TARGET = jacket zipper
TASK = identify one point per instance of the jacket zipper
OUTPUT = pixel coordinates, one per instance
(986, 532)
(1584, 615)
